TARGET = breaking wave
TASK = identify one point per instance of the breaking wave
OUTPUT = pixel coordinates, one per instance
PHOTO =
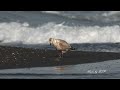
(23, 33)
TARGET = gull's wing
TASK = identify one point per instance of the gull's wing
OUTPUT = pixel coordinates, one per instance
(64, 45)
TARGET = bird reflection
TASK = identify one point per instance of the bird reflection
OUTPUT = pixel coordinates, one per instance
(60, 68)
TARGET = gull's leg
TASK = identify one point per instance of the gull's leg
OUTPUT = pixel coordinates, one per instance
(60, 53)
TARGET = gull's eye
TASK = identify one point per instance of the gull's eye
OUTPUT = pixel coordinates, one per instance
(50, 39)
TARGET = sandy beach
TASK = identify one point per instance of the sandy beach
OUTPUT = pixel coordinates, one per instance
(18, 57)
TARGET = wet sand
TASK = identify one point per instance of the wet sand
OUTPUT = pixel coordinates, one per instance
(18, 57)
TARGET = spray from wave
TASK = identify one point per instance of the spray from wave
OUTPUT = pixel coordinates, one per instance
(22, 32)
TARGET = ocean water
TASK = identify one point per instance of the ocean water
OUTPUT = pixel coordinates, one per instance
(85, 30)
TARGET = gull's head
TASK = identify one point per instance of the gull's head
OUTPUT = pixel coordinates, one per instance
(50, 40)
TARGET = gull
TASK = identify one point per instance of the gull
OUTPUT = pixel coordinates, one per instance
(61, 45)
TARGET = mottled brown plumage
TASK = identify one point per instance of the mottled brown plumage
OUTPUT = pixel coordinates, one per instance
(60, 45)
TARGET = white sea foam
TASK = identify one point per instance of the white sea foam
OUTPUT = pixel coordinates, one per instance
(51, 12)
(22, 32)
(111, 13)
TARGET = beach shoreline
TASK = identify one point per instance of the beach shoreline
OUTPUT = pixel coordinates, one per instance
(18, 57)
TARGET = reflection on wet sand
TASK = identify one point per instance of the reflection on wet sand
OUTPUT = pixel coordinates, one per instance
(63, 68)
(60, 68)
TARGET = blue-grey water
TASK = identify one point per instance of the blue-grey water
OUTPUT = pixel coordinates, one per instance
(85, 30)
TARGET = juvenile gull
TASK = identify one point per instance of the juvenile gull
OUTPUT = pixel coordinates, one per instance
(60, 45)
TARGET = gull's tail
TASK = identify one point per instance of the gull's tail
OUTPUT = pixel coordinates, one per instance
(72, 48)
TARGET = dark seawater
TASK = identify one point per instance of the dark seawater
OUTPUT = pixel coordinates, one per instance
(97, 31)
(102, 70)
